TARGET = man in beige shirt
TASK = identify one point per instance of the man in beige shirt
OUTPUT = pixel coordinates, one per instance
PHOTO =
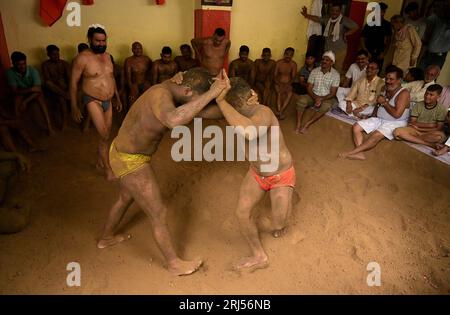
(418, 88)
(362, 96)
(407, 44)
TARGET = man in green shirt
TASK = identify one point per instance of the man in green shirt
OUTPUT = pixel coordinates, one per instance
(25, 84)
(427, 120)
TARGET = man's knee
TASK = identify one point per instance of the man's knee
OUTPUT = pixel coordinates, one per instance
(325, 107)
(357, 128)
(302, 103)
(399, 133)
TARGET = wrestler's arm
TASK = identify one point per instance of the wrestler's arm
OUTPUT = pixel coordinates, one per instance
(164, 107)
(211, 111)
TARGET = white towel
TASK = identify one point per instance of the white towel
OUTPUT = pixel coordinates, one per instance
(315, 28)
(336, 29)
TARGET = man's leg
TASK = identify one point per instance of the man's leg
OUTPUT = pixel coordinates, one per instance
(7, 140)
(44, 108)
(249, 195)
(102, 122)
(109, 236)
(62, 102)
(18, 110)
(326, 105)
(144, 188)
(281, 200)
(371, 142)
(429, 139)
(287, 96)
(302, 103)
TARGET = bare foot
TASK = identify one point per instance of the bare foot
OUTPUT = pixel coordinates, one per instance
(109, 175)
(358, 156)
(281, 117)
(183, 268)
(279, 233)
(304, 130)
(116, 239)
(297, 131)
(440, 150)
(250, 264)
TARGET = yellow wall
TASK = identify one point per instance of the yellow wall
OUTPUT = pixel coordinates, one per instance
(126, 21)
(257, 23)
(269, 23)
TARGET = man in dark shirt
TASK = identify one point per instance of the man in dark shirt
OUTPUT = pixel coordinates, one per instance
(376, 39)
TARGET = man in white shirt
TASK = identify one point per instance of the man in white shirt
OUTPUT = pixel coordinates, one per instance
(356, 71)
(418, 88)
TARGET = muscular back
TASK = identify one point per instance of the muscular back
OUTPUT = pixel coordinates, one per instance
(97, 73)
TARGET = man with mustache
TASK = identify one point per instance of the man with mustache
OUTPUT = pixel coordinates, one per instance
(392, 112)
(98, 87)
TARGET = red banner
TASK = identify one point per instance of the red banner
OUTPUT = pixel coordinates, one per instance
(51, 10)
(160, 2)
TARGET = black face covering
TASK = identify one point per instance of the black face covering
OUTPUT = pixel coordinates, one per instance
(98, 49)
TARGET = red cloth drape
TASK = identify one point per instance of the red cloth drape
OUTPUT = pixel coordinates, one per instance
(51, 10)
(88, 2)
(160, 2)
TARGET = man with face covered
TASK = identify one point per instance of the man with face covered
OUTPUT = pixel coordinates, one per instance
(56, 79)
(95, 68)
(164, 68)
(137, 72)
(211, 51)
(242, 67)
(262, 75)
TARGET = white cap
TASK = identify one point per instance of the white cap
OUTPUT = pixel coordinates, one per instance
(330, 55)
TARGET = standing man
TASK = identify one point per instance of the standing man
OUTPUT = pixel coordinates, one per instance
(94, 66)
(337, 29)
(407, 44)
(211, 51)
(377, 39)
(151, 116)
(137, 73)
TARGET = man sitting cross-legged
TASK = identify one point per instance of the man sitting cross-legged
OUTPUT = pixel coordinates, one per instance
(273, 173)
(427, 120)
(392, 114)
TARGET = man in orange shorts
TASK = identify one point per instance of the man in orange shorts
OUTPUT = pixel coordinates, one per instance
(271, 169)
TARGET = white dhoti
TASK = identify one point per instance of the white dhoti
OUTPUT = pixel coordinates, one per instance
(385, 127)
(366, 111)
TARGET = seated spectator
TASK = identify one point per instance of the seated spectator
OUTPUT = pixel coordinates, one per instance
(303, 75)
(356, 71)
(284, 75)
(242, 67)
(25, 84)
(262, 75)
(82, 47)
(417, 88)
(164, 68)
(392, 112)
(362, 97)
(323, 83)
(56, 81)
(185, 61)
(427, 119)
(414, 74)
